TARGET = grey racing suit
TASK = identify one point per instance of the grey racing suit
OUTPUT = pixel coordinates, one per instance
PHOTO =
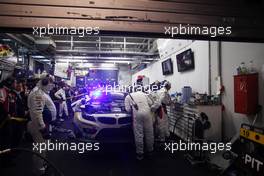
(37, 101)
(142, 121)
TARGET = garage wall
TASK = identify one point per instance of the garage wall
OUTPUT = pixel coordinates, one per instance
(232, 55)
(214, 67)
(197, 78)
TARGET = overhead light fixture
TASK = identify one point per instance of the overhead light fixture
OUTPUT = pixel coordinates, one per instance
(67, 60)
(113, 62)
(45, 60)
(86, 65)
(38, 57)
(107, 65)
(6, 40)
(20, 58)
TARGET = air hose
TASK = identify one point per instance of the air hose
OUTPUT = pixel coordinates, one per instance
(34, 153)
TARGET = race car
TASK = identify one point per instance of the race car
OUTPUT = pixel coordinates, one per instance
(103, 116)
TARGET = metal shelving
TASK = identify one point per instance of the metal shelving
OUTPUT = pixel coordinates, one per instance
(181, 120)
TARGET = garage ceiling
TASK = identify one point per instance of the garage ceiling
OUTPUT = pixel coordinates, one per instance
(92, 49)
(138, 16)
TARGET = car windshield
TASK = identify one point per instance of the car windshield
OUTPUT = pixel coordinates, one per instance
(107, 103)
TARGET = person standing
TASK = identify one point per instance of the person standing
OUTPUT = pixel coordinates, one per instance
(69, 96)
(38, 102)
(162, 99)
(138, 104)
(61, 95)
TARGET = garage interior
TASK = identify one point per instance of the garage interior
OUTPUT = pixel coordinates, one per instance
(225, 80)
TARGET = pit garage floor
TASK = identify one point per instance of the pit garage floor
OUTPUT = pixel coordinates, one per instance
(113, 159)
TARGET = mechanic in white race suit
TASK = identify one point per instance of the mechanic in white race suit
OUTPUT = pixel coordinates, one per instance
(39, 101)
(138, 104)
(161, 100)
(61, 95)
(76, 106)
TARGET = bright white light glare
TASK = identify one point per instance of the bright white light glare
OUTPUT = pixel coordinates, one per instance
(118, 62)
(6, 40)
(38, 57)
(87, 57)
(67, 60)
(20, 59)
(107, 65)
(85, 65)
(45, 60)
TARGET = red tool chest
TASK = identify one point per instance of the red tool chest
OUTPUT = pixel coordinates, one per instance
(246, 93)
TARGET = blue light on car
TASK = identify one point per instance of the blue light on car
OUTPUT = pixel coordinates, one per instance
(97, 94)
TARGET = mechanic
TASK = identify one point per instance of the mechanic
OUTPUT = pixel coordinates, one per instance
(76, 106)
(161, 100)
(138, 103)
(61, 95)
(39, 102)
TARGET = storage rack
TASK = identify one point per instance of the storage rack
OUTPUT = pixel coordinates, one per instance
(181, 120)
(182, 124)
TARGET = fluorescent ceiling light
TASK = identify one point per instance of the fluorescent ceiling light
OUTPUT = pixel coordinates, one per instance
(6, 40)
(45, 60)
(94, 58)
(85, 65)
(38, 57)
(67, 60)
(105, 65)
(118, 62)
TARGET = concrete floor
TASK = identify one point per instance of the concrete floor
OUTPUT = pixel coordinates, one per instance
(114, 159)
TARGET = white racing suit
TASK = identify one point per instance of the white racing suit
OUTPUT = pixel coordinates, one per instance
(60, 94)
(160, 99)
(142, 121)
(38, 100)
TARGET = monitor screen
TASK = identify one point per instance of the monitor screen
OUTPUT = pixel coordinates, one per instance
(167, 67)
(185, 61)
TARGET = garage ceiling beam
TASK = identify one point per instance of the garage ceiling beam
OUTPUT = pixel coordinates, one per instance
(138, 16)
(213, 7)
(104, 58)
(107, 52)
(95, 42)
(96, 14)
